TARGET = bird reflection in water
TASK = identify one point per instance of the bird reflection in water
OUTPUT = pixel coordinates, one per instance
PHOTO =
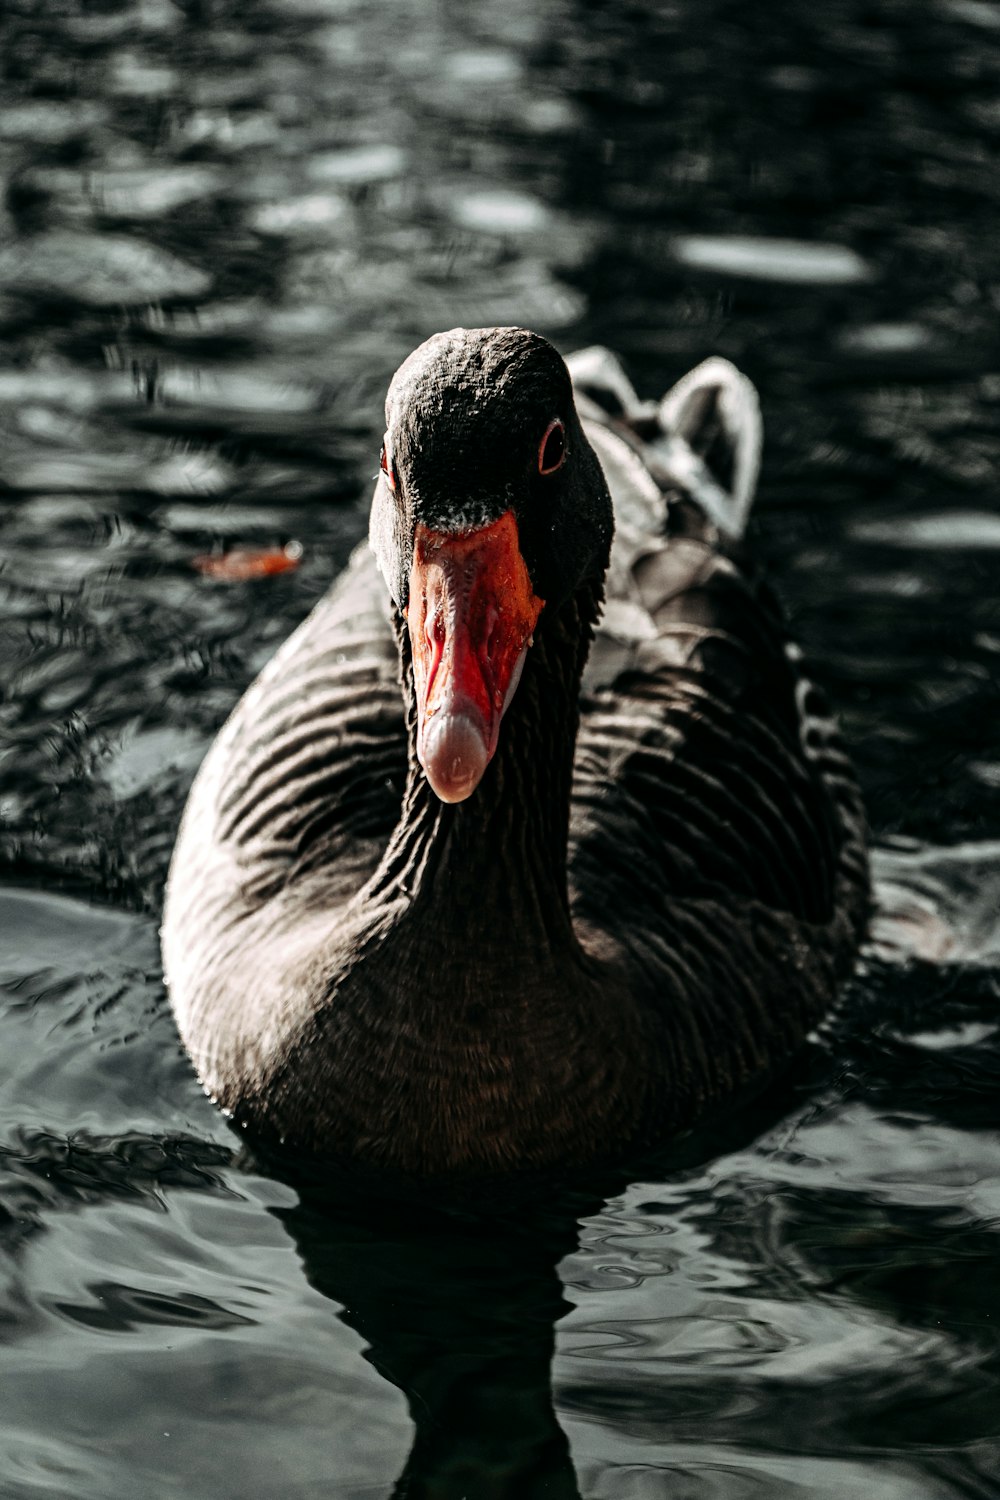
(457, 1295)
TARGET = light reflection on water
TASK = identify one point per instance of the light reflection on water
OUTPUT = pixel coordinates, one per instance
(221, 229)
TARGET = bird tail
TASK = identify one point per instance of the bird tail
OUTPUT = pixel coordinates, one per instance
(703, 437)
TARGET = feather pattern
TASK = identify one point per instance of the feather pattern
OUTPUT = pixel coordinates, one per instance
(652, 896)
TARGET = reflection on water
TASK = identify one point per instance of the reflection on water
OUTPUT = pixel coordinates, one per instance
(221, 228)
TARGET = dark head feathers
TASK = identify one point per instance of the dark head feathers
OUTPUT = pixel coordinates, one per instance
(465, 416)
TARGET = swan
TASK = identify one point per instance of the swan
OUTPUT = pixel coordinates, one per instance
(533, 842)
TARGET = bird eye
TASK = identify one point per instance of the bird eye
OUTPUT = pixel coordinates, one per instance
(386, 465)
(552, 448)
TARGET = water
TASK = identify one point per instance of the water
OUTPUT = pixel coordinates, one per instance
(221, 228)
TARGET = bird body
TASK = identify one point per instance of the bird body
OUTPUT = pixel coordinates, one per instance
(470, 882)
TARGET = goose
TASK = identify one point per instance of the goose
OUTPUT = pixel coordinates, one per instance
(533, 843)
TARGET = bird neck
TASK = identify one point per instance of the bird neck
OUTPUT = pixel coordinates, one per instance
(496, 863)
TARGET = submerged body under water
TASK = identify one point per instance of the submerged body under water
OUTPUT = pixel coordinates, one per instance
(218, 239)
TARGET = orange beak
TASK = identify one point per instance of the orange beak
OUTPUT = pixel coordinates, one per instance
(471, 615)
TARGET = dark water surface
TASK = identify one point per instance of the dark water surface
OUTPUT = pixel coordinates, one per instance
(221, 227)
